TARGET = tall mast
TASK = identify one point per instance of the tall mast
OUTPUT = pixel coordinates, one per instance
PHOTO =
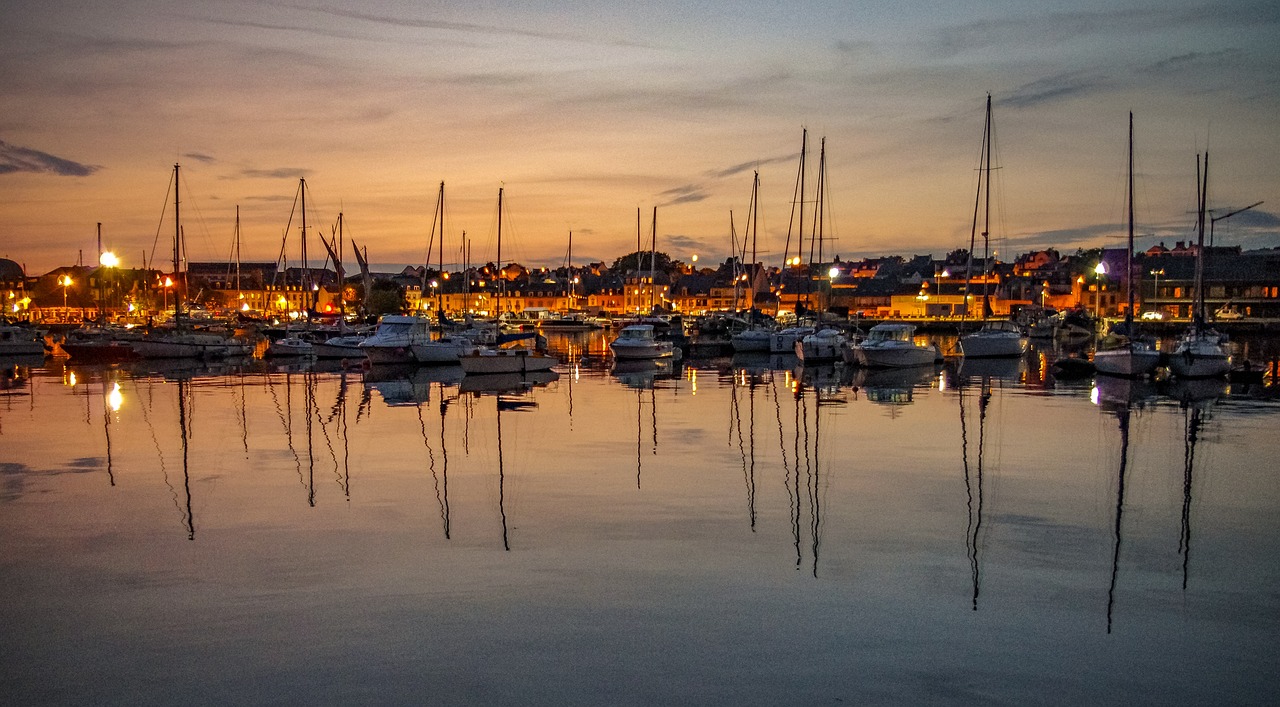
(177, 244)
(653, 256)
(755, 213)
(239, 294)
(569, 278)
(440, 282)
(1204, 204)
(502, 281)
(342, 277)
(1128, 277)
(306, 266)
(986, 217)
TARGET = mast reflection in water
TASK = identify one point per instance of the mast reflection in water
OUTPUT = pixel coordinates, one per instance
(756, 535)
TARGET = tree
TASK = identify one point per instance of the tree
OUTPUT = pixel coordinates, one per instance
(639, 260)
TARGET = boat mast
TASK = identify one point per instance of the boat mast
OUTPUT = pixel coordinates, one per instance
(569, 289)
(1128, 279)
(986, 217)
(502, 281)
(440, 282)
(177, 245)
(239, 293)
(1199, 319)
(653, 255)
(755, 212)
(306, 266)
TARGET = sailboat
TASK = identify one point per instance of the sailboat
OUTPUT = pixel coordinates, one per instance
(504, 359)
(640, 339)
(996, 338)
(181, 341)
(291, 344)
(346, 344)
(1123, 352)
(755, 337)
(448, 348)
(1202, 352)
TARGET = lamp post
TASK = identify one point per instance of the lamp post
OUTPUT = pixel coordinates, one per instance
(1155, 289)
(107, 260)
(1100, 269)
(65, 281)
(168, 282)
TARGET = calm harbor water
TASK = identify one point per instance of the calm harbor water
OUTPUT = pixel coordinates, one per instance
(741, 531)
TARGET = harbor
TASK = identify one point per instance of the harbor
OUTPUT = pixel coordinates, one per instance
(750, 528)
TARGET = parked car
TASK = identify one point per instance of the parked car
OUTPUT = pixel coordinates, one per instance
(1153, 315)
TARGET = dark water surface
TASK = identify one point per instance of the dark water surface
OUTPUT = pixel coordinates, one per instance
(720, 534)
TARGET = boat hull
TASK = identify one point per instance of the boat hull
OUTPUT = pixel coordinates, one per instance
(489, 361)
(993, 344)
(894, 356)
(1126, 362)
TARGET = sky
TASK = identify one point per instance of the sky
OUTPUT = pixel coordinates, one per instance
(585, 112)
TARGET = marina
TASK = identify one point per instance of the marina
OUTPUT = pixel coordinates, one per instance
(744, 529)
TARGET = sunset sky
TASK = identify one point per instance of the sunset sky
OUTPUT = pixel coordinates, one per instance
(586, 111)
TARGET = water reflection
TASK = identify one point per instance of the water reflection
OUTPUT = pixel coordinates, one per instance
(835, 506)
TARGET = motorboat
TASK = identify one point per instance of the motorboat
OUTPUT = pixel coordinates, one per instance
(752, 339)
(448, 349)
(892, 345)
(639, 341)
(998, 338)
(20, 341)
(393, 340)
(294, 346)
(822, 345)
(784, 341)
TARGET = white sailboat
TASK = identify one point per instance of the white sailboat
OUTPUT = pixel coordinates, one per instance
(1202, 352)
(996, 338)
(640, 341)
(1123, 352)
(505, 359)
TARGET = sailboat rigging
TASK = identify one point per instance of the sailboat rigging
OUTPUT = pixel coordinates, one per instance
(996, 338)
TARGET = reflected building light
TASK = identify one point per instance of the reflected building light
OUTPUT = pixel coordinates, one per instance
(71, 378)
(1094, 395)
(942, 382)
(115, 398)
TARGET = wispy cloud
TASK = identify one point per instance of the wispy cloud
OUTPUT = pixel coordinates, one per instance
(1189, 60)
(744, 166)
(1051, 89)
(685, 194)
(468, 27)
(24, 159)
(277, 173)
(199, 157)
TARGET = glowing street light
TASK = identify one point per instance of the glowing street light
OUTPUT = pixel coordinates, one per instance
(66, 282)
(168, 282)
(1100, 269)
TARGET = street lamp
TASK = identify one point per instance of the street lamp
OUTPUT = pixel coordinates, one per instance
(107, 260)
(1155, 289)
(168, 282)
(66, 282)
(1100, 269)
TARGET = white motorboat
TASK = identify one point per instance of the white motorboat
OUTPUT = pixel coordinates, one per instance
(822, 345)
(996, 339)
(20, 341)
(784, 341)
(892, 345)
(753, 339)
(290, 346)
(640, 341)
(345, 346)
(393, 340)
(445, 350)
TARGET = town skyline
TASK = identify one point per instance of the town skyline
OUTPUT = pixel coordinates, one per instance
(587, 112)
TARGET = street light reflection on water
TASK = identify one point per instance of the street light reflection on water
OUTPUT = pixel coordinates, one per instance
(232, 532)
